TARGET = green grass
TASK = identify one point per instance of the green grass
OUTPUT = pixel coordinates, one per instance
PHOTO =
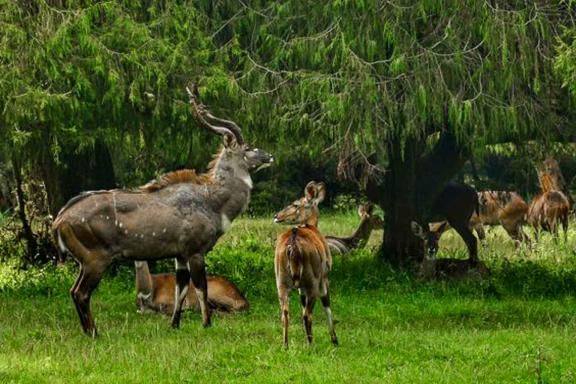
(517, 326)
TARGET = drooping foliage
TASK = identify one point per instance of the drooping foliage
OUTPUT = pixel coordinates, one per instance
(366, 71)
(565, 61)
(74, 72)
(307, 79)
(373, 70)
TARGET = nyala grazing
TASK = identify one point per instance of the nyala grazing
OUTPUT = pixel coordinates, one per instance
(155, 293)
(504, 208)
(302, 260)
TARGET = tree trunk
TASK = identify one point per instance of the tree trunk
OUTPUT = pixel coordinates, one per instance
(400, 247)
(76, 172)
(27, 233)
(407, 193)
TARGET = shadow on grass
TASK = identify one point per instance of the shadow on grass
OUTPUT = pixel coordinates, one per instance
(534, 279)
(520, 278)
(251, 268)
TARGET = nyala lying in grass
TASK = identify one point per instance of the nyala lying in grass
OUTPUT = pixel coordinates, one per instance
(155, 293)
(368, 222)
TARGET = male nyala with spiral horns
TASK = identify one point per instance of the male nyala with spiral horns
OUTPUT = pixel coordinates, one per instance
(180, 215)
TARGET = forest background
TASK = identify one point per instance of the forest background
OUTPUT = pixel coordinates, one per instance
(393, 96)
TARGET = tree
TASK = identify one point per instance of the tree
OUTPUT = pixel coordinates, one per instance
(415, 87)
(565, 59)
(420, 84)
(81, 77)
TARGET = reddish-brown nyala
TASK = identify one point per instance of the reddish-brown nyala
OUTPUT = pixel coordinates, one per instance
(368, 222)
(179, 216)
(155, 293)
(547, 211)
(302, 260)
(504, 208)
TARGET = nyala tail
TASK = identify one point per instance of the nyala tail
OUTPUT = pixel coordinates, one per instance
(294, 255)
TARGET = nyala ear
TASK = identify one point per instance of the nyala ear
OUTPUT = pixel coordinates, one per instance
(361, 210)
(417, 230)
(320, 193)
(310, 191)
(229, 140)
(442, 227)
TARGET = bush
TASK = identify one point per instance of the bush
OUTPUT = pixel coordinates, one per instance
(45, 280)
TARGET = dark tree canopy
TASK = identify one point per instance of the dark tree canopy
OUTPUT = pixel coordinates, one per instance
(414, 86)
(365, 71)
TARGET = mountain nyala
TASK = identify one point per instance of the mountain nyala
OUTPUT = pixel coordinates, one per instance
(180, 215)
(302, 260)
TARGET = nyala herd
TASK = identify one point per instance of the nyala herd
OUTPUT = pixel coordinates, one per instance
(182, 214)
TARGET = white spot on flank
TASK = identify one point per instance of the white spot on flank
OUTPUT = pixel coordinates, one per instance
(164, 230)
(226, 223)
(248, 180)
(141, 236)
(120, 225)
(83, 219)
(107, 217)
(116, 222)
(153, 233)
(114, 204)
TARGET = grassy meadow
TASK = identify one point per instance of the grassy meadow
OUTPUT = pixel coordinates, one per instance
(516, 326)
